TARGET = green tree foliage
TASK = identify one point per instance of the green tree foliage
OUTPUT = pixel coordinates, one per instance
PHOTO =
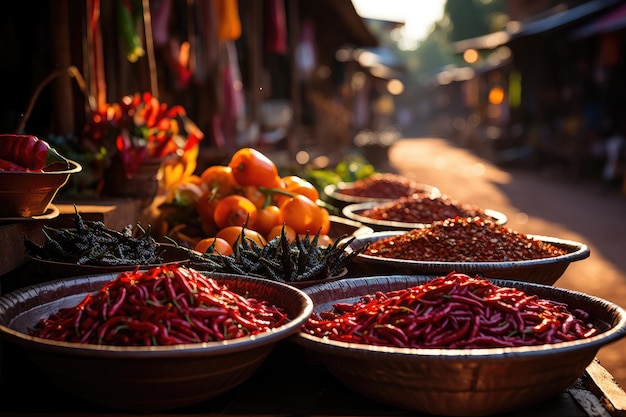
(468, 19)
(463, 19)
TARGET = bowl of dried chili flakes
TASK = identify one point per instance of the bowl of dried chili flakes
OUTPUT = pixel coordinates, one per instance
(416, 211)
(151, 340)
(469, 245)
(380, 186)
(454, 344)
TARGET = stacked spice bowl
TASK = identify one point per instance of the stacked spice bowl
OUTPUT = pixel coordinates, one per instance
(469, 245)
(416, 211)
(380, 186)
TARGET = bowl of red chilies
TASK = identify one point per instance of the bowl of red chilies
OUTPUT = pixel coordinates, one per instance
(456, 344)
(31, 174)
(154, 339)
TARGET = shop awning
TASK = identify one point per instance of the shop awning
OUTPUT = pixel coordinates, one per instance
(609, 22)
(566, 18)
(552, 19)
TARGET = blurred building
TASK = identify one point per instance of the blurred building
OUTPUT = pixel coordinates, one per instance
(547, 90)
(266, 72)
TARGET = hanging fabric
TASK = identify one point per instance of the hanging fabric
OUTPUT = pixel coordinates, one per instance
(228, 20)
(95, 54)
(161, 15)
(275, 27)
(233, 109)
(306, 53)
(129, 15)
(171, 31)
(207, 59)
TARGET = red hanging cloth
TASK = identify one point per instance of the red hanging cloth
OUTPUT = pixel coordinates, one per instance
(275, 27)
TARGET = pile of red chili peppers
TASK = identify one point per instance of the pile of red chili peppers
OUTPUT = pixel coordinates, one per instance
(140, 127)
(165, 305)
(453, 311)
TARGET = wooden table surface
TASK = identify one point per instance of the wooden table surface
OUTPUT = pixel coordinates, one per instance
(289, 383)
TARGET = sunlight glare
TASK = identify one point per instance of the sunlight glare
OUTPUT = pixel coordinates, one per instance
(418, 16)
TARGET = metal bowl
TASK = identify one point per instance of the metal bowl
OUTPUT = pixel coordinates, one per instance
(137, 378)
(56, 269)
(340, 199)
(340, 227)
(354, 212)
(457, 382)
(542, 271)
(28, 194)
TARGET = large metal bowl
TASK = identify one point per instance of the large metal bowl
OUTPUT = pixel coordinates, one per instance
(28, 194)
(144, 379)
(339, 198)
(458, 382)
(541, 271)
(354, 212)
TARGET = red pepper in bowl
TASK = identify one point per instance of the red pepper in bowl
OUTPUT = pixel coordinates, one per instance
(29, 152)
(10, 166)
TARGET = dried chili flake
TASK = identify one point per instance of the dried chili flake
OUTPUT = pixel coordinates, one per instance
(422, 209)
(384, 186)
(463, 240)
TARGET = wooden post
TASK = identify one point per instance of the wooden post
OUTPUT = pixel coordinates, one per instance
(293, 30)
(254, 19)
(63, 107)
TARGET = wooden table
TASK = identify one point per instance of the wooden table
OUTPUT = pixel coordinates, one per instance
(289, 383)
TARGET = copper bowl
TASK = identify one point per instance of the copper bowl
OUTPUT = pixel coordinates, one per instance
(141, 378)
(341, 227)
(340, 199)
(459, 382)
(542, 271)
(28, 194)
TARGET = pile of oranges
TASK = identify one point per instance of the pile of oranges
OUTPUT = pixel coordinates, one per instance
(248, 196)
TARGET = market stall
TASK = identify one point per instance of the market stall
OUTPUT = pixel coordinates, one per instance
(135, 334)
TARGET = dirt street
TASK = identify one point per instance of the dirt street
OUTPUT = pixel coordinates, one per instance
(540, 203)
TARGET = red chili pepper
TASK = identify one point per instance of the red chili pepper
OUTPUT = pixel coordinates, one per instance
(29, 152)
(9, 166)
(155, 307)
(455, 311)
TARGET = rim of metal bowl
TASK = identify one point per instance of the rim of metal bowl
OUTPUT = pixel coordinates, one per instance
(352, 211)
(577, 251)
(96, 282)
(616, 332)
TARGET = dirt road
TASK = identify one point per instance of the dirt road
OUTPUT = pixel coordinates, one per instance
(536, 203)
